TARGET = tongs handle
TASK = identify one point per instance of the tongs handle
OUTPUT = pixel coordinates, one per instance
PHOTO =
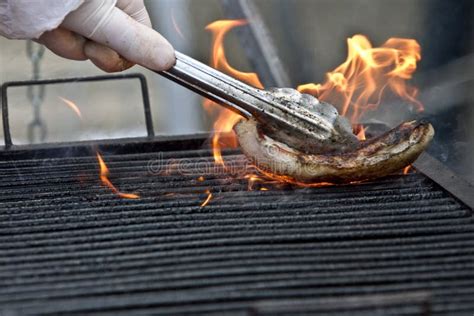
(217, 86)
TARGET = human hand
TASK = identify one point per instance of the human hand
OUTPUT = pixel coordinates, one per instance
(114, 35)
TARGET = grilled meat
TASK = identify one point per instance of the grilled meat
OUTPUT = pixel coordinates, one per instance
(375, 158)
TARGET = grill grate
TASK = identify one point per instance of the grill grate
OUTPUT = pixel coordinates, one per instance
(70, 246)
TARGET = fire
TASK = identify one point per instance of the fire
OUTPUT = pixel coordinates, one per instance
(219, 61)
(359, 131)
(208, 199)
(358, 84)
(226, 119)
(285, 179)
(355, 87)
(104, 171)
(72, 106)
(252, 179)
(175, 25)
(407, 169)
(104, 177)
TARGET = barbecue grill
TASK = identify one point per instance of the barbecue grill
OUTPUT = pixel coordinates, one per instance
(208, 240)
(401, 245)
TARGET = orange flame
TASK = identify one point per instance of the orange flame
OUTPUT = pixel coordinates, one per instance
(72, 106)
(104, 177)
(226, 119)
(208, 199)
(359, 131)
(252, 179)
(354, 87)
(407, 169)
(219, 61)
(359, 84)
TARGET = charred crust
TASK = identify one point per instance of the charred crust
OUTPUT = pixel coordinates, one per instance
(372, 159)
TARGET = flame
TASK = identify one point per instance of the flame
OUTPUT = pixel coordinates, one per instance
(355, 87)
(358, 84)
(285, 179)
(72, 106)
(226, 119)
(208, 199)
(175, 25)
(219, 61)
(252, 179)
(407, 169)
(104, 177)
(359, 131)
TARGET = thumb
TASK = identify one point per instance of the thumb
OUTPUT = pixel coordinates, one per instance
(110, 26)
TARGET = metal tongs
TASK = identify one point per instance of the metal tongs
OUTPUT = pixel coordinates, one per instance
(296, 122)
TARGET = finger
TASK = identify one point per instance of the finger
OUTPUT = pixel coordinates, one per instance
(64, 43)
(136, 10)
(106, 58)
(131, 39)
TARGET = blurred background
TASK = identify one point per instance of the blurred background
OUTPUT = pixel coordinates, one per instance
(310, 39)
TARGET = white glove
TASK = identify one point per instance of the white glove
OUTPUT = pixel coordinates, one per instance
(113, 34)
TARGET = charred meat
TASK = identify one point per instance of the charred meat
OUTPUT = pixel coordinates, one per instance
(375, 158)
